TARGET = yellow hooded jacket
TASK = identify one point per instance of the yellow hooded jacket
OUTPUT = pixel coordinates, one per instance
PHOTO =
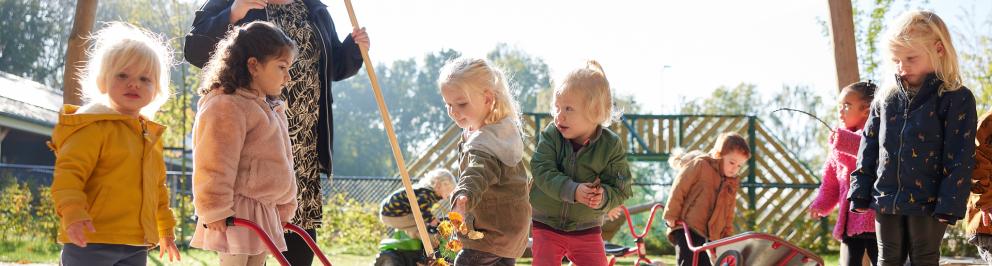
(109, 169)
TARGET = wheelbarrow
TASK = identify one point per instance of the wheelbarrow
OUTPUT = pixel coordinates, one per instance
(231, 221)
(751, 248)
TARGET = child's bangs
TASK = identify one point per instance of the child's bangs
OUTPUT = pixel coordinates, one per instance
(134, 56)
(145, 61)
(585, 88)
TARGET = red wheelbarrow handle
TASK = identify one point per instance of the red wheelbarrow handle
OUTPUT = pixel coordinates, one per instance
(712, 246)
(231, 221)
(692, 246)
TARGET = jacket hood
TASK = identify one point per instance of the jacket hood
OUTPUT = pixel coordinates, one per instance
(73, 118)
(502, 139)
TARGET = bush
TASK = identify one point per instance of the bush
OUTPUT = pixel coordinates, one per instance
(815, 237)
(182, 209)
(351, 227)
(46, 221)
(28, 217)
(15, 213)
(656, 242)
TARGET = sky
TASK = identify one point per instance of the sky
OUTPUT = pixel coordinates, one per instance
(658, 51)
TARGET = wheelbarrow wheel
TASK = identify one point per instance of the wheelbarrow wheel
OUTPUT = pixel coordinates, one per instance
(730, 258)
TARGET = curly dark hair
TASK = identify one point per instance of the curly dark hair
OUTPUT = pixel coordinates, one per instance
(865, 88)
(228, 65)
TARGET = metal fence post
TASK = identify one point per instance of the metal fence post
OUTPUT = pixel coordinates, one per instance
(824, 235)
(751, 177)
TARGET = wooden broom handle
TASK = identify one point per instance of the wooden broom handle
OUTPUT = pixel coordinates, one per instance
(397, 154)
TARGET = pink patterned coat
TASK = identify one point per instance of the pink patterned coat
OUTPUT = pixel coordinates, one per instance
(836, 182)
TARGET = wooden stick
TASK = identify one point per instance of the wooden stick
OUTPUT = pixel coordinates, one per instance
(411, 197)
(845, 48)
(75, 54)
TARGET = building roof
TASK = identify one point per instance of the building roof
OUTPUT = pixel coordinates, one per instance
(28, 105)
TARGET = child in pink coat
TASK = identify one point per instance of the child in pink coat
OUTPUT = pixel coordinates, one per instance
(242, 160)
(855, 231)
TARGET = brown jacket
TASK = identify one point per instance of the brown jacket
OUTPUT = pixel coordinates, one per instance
(981, 179)
(494, 179)
(703, 199)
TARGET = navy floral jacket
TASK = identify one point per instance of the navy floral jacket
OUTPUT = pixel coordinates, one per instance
(916, 157)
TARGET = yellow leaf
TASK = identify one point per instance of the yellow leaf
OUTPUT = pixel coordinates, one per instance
(454, 245)
(475, 235)
(445, 229)
(454, 216)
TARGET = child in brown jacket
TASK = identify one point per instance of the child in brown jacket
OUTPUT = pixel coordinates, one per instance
(979, 214)
(704, 195)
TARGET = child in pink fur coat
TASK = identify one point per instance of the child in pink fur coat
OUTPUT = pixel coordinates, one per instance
(855, 231)
(242, 160)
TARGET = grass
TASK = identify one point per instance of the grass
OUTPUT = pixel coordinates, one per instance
(21, 252)
(27, 252)
(199, 257)
(630, 260)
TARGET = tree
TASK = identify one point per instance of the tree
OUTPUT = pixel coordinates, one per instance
(974, 46)
(420, 112)
(627, 104)
(801, 134)
(868, 25)
(33, 38)
(360, 147)
(415, 106)
(807, 141)
(742, 99)
(528, 75)
(870, 18)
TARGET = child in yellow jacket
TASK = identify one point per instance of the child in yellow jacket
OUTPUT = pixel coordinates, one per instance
(109, 181)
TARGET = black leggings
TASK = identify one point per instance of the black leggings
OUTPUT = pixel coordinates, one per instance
(297, 252)
(853, 249)
(902, 236)
(683, 255)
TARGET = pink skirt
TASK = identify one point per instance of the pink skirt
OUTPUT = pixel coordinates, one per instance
(242, 240)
